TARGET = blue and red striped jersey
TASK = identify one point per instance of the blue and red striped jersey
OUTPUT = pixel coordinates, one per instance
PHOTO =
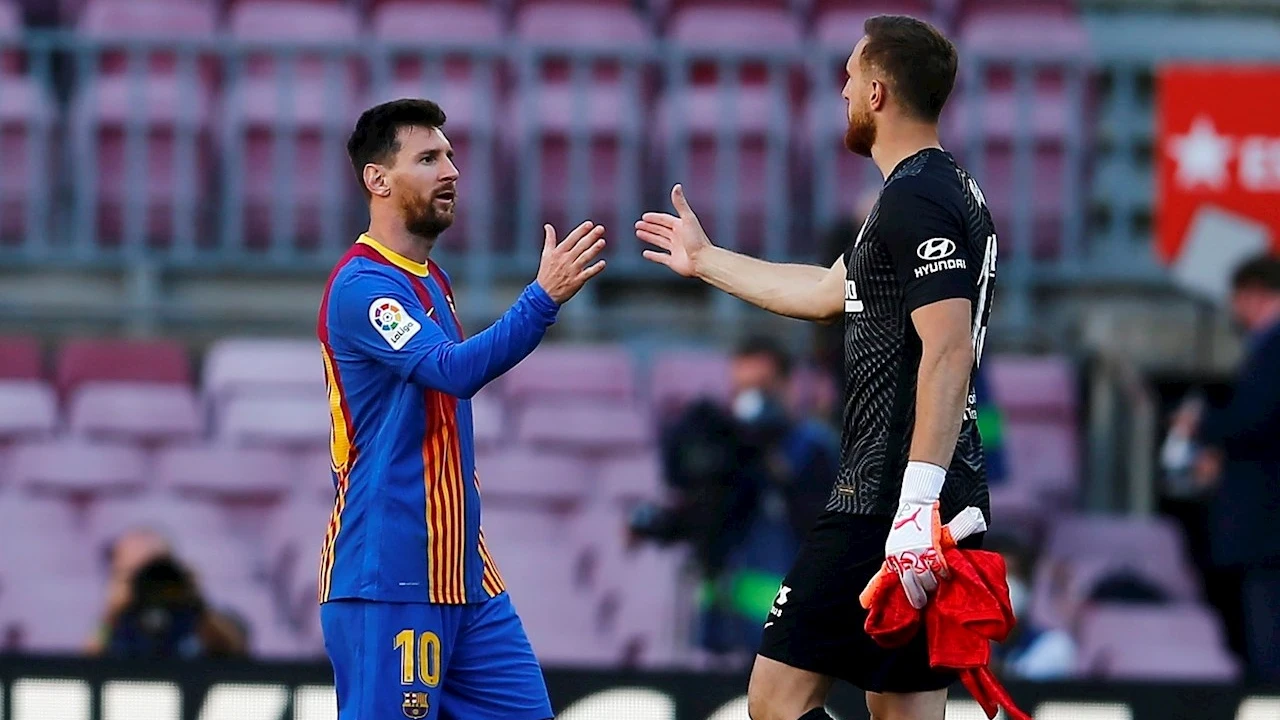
(405, 525)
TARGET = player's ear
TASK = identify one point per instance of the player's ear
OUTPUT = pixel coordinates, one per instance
(878, 95)
(376, 181)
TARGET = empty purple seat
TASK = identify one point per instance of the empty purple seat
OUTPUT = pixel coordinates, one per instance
(416, 20)
(225, 473)
(532, 475)
(313, 475)
(55, 617)
(631, 477)
(294, 21)
(1167, 663)
(1153, 542)
(168, 109)
(1039, 385)
(837, 24)
(1044, 458)
(680, 376)
(151, 361)
(28, 114)
(489, 418)
(584, 427)
(168, 515)
(77, 467)
(510, 526)
(245, 366)
(20, 358)
(734, 26)
(1061, 587)
(297, 422)
(114, 21)
(1121, 641)
(28, 409)
(590, 371)
(147, 413)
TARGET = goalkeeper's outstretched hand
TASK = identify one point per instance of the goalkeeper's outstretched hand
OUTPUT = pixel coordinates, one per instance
(678, 239)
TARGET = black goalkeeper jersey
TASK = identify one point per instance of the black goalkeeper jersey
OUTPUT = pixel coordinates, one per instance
(930, 237)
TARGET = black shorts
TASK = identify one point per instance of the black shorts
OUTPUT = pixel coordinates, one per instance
(816, 622)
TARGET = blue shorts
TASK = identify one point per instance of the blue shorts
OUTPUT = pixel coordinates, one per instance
(422, 660)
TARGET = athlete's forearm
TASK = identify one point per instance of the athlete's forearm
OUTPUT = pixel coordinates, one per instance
(461, 369)
(941, 396)
(792, 290)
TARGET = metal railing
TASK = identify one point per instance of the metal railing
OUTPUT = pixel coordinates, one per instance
(225, 164)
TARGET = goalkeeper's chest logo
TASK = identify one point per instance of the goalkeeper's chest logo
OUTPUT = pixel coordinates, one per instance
(415, 705)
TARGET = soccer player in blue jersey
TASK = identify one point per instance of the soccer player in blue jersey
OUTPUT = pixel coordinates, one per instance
(415, 616)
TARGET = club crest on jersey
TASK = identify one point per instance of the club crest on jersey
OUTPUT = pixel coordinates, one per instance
(415, 705)
(392, 322)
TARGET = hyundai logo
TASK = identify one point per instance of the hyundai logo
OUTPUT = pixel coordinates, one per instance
(936, 249)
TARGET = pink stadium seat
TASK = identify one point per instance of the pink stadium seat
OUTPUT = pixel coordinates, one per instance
(154, 361)
(260, 114)
(313, 476)
(576, 371)
(584, 427)
(173, 517)
(20, 358)
(837, 24)
(1168, 663)
(1043, 458)
(174, 114)
(146, 413)
(528, 475)
(225, 473)
(300, 422)
(1062, 586)
(631, 477)
(1152, 542)
(121, 20)
(56, 617)
(294, 21)
(679, 376)
(235, 367)
(489, 419)
(77, 467)
(269, 638)
(27, 119)
(415, 21)
(28, 409)
(1104, 630)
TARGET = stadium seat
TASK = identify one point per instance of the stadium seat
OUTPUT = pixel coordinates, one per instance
(1062, 587)
(1043, 458)
(1166, 662)
(56, 617)
(173, 517)
(28, 410)
(119, 21)
(28, 119)
(488, 419)
(77, 467)
(607, 124)
(1191, 629)
(313, 477)
(838, 23)
(145, 413)
(1151, 542)
(20, 358)
(677, 377)
(254, 367)
(303, 114)
(584, 427)
(225, 473)
(253, 605)
(531, 476)
(635, 477)
(293, 423)
(150, 361)
(469, 94)
(174, 164)
(602, 372)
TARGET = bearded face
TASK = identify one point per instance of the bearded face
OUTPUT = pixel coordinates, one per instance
(860, 134)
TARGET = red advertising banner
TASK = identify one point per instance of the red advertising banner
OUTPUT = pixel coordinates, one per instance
(1217, 160)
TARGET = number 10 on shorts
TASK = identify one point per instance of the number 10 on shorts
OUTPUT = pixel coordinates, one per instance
(426, 653)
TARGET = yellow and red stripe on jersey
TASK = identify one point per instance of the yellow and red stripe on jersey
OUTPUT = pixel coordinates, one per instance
(446, 498)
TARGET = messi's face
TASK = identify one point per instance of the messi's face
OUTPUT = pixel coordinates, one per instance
(423, 181)
(859, 92)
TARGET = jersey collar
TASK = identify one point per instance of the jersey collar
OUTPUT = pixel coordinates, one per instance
(395, 258)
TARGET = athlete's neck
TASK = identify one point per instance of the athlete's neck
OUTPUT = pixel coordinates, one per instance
(900, 141)
(393, 236)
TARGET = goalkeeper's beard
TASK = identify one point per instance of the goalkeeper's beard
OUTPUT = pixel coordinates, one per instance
(422, 219)
(860, 135)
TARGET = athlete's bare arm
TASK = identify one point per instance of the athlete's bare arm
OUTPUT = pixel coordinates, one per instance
(946, 362)
(804, 292)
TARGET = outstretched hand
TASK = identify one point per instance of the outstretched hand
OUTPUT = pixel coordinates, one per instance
(679, 239)
(567, 266)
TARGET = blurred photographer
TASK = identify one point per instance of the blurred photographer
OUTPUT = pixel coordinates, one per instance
(155, 609)
(747, 481)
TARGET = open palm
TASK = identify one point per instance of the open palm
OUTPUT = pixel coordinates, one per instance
(678, 239)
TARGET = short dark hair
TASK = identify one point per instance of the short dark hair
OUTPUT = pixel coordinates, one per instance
(919, 60)
(765, 345)
(1259, 273)
(375, 138)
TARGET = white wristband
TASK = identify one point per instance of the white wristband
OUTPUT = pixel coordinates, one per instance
(968, 522)
(922, 482)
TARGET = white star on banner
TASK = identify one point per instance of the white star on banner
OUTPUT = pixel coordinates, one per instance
(1202, 155)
